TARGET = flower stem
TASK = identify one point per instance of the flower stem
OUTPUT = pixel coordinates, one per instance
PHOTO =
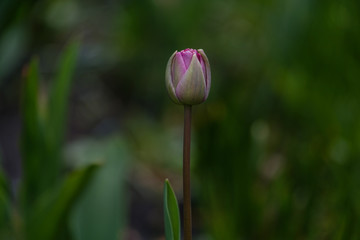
(186, 173)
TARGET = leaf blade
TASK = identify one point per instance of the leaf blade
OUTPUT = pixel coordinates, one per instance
(171, 213)
(57, 110)
(30, 132)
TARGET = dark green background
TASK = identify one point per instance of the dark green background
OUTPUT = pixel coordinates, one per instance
(276, 147)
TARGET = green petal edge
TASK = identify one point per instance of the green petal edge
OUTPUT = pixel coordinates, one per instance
(208, 71)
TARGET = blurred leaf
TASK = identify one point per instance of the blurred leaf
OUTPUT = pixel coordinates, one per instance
(49, 215)
(100, 212)
(41, 147)
(41, 143)
(31, 138)
(171, 213)
(57, 109)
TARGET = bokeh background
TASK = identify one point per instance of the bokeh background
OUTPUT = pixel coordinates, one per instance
(276, 147)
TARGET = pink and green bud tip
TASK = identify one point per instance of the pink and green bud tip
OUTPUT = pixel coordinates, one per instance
(188, 77)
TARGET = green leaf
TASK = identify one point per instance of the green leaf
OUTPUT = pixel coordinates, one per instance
(49, 215)
(106, 191)
(42, 139)
(30, 135)
(171, 213)
(57, 108)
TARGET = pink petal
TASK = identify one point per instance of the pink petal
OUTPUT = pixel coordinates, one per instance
(178, 69)
(187, 55)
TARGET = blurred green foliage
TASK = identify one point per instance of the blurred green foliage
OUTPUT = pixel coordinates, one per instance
(43, 132)
(276, 150)
(45, 198)
(50, 203)
(279, 151)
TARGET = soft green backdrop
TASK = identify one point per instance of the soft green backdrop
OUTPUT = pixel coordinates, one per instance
(276, 151)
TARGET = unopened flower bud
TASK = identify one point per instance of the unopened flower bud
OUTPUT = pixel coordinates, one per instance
(188, 77)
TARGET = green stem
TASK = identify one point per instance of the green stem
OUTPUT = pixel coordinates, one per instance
(186, 173)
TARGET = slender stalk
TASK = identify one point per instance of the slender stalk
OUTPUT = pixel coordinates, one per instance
(186, 173)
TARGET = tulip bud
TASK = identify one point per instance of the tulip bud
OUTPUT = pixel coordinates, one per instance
(188, 77)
